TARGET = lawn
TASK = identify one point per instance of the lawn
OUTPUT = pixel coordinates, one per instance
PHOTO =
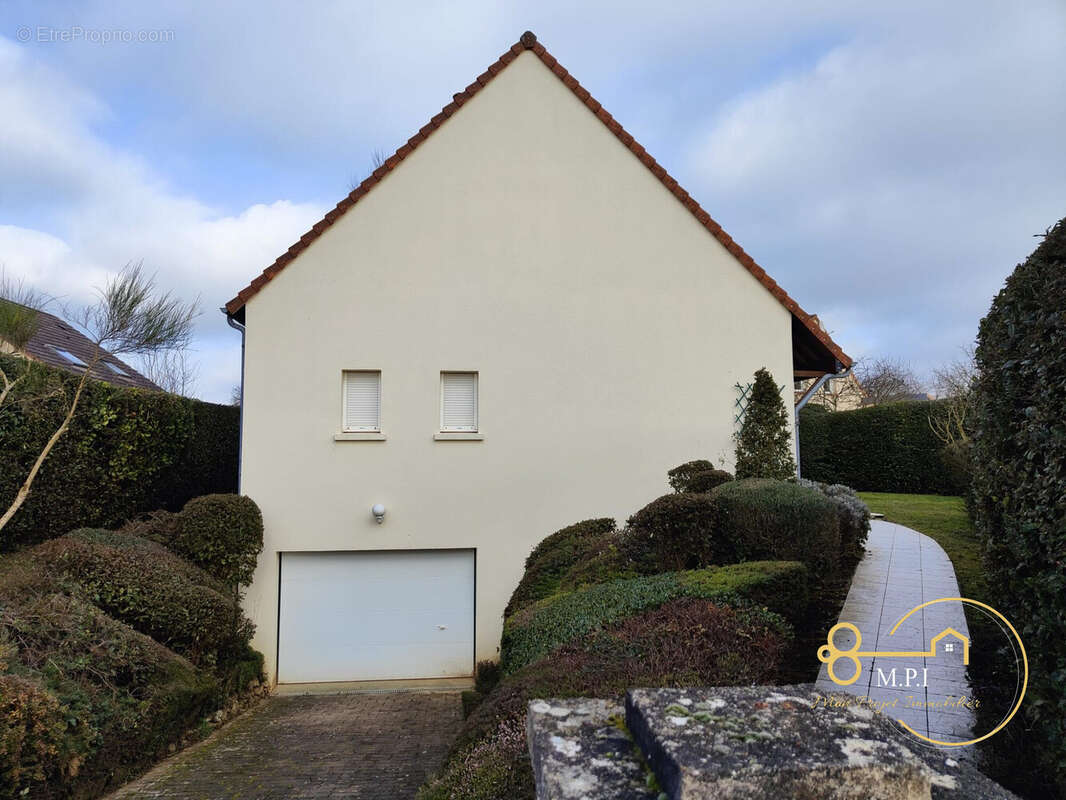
(943, 519)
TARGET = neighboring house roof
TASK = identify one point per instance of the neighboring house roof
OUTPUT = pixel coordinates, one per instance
(803, 322)
(58, 344)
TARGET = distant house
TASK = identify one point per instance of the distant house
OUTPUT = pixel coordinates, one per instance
(836, 394)
(58, 344)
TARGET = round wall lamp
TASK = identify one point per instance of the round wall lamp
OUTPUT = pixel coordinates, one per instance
(379, 512)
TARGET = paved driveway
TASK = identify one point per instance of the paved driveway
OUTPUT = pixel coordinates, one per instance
(336, 746)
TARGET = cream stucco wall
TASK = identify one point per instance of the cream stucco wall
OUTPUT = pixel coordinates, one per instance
(521, 240)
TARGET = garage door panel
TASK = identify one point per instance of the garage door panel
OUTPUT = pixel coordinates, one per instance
(376, 615)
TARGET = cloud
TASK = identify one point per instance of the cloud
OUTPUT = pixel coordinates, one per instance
(887, 162)
(107, 208)
(894, 183)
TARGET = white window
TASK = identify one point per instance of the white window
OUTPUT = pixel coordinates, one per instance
(362, 400)
(458, 401)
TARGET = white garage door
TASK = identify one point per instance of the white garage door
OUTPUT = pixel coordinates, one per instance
(376, 615)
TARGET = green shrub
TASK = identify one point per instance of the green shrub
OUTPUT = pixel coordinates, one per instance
(675, 532)
(553, 557)
(121, 698)
(34, 747)
(1019, 463)
(706, 480)
(854, 519)
(886, 448)
(764, 446)
(159, 595)
(779, 520)
(683, 642)
(126, 451)
(536, 630)
(223, 534)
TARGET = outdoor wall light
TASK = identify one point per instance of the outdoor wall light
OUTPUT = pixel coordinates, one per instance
(379, 512)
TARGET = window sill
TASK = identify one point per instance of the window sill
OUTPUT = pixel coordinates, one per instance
(458, 436)
(359, 436)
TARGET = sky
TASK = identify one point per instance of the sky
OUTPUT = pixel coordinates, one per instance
(888, 163)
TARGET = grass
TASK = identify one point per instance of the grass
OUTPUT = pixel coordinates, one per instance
(945, 520)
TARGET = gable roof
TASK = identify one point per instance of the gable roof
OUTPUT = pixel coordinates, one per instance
(53, 335)
(807, 323)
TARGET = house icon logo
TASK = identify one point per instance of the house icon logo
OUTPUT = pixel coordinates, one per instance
(844, 644)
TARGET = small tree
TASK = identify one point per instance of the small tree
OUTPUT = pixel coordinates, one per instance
(129, 316)
(764, 449)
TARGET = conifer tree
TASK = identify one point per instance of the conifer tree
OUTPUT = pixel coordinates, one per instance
(763, 446)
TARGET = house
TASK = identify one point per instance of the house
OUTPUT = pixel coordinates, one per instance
(59, 344)
(518, 321)
(836, 394)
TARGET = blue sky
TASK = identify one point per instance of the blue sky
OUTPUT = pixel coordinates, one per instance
(887, 162)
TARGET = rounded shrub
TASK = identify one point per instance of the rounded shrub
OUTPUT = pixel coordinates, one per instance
(680, 476)
(223, 534)
(555, 556)
(780, 520)
(707, 480)
(854, 518)
(675, 532)
(161, 596)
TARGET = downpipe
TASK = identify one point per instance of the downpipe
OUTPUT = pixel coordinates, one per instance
(807, 395)
(240, 425)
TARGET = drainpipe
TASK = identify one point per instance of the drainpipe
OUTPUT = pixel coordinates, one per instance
(807, 395)
(240, 434)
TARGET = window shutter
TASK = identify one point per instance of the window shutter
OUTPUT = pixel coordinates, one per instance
(458, 401)
(362, 401)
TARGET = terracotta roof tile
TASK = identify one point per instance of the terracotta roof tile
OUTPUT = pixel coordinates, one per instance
(529, 42)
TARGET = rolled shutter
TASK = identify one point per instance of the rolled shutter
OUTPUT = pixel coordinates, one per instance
(362, 401)
(458, 401)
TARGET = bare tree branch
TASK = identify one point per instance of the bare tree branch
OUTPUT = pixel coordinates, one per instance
(171, 370)
(887, 380)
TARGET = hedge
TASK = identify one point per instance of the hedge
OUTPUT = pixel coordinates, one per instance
(779, 520)
(554, 557)
(1019, 463)
(126, 451)
(151, 590)
(536, 630)
(886, 448)
(687, 641)
(87, 701)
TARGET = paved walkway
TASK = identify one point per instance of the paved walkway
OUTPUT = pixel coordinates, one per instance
(903, 569)
(336, 746)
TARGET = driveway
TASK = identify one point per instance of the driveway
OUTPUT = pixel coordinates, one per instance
(314, 746)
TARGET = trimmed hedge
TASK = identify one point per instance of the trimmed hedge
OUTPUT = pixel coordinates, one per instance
(554, 557)
(779, 520)
(126, 451)
(88, 701)
(686, 641)
(676, 532)
(854, 517)
(223, 534)
(1019, 464)
(152, 590)
(886, 448)
(536, 630)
